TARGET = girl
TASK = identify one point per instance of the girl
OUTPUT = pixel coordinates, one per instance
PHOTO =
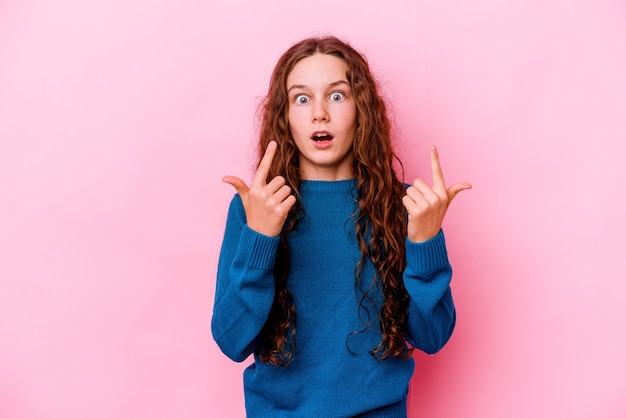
(331, 269)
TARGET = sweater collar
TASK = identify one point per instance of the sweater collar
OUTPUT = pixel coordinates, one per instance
(327, 186)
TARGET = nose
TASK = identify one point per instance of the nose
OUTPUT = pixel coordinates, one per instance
(320, 112)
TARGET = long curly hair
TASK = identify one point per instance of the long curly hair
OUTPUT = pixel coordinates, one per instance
(380, 221)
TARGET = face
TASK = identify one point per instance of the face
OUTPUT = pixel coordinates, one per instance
(322, 117)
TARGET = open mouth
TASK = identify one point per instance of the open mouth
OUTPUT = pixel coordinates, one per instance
(321, 136)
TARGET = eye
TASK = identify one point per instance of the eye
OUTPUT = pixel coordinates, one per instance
(337, 96)
(302, 99)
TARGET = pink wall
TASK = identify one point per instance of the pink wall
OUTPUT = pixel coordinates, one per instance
(118, 119)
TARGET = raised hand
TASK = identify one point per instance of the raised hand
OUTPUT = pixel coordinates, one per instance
(266, 204)
(427, 206)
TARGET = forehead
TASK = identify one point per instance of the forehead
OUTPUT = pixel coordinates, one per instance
(318, 69)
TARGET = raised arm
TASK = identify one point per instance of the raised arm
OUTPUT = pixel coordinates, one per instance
(245, 281)
(432, 315)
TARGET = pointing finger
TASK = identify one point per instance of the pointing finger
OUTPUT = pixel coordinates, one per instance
(437, 173)
(264, 166)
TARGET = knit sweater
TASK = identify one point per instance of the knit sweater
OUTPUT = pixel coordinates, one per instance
(332, 373)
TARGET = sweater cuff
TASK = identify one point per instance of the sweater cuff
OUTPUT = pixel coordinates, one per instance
(257, 250)
(427, 256)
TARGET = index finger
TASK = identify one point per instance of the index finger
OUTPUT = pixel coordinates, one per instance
(435, 166)
(264, 166)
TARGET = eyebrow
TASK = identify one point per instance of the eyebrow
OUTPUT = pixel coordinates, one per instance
(331, 85)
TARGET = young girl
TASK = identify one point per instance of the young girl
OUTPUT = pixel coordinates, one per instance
(331, 268)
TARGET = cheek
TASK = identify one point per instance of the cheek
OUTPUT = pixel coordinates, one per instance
(349, 118)
(294, 120)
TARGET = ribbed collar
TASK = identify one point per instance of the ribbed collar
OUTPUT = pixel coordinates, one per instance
(327, 186)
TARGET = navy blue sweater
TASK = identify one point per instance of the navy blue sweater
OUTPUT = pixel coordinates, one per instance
(332, 373)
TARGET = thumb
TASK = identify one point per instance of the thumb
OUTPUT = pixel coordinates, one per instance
(457, 188)
(237, 183)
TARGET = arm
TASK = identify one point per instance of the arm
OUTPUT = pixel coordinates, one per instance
(427, 277)
(245, 279)
(428, 273)
(245, 285)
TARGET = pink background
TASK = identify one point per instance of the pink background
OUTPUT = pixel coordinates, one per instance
(119, 118)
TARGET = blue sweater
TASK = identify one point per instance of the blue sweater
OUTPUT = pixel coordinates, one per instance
(332, 374)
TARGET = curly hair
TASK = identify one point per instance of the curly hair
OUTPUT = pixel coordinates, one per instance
(381, 218)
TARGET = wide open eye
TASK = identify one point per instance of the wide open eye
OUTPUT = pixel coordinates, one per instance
(302, 99)
(337, 96)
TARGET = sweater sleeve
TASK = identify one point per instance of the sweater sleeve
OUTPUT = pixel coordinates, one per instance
(427, 277)
(245, 285)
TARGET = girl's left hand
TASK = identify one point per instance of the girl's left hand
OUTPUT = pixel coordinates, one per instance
(427, 206)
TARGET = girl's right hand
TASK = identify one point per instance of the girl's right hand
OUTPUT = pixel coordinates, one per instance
(266, 204)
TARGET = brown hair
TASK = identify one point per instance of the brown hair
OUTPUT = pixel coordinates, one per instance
(381, 215)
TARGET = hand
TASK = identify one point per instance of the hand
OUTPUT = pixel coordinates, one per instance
(266, 204)
(427, 206)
